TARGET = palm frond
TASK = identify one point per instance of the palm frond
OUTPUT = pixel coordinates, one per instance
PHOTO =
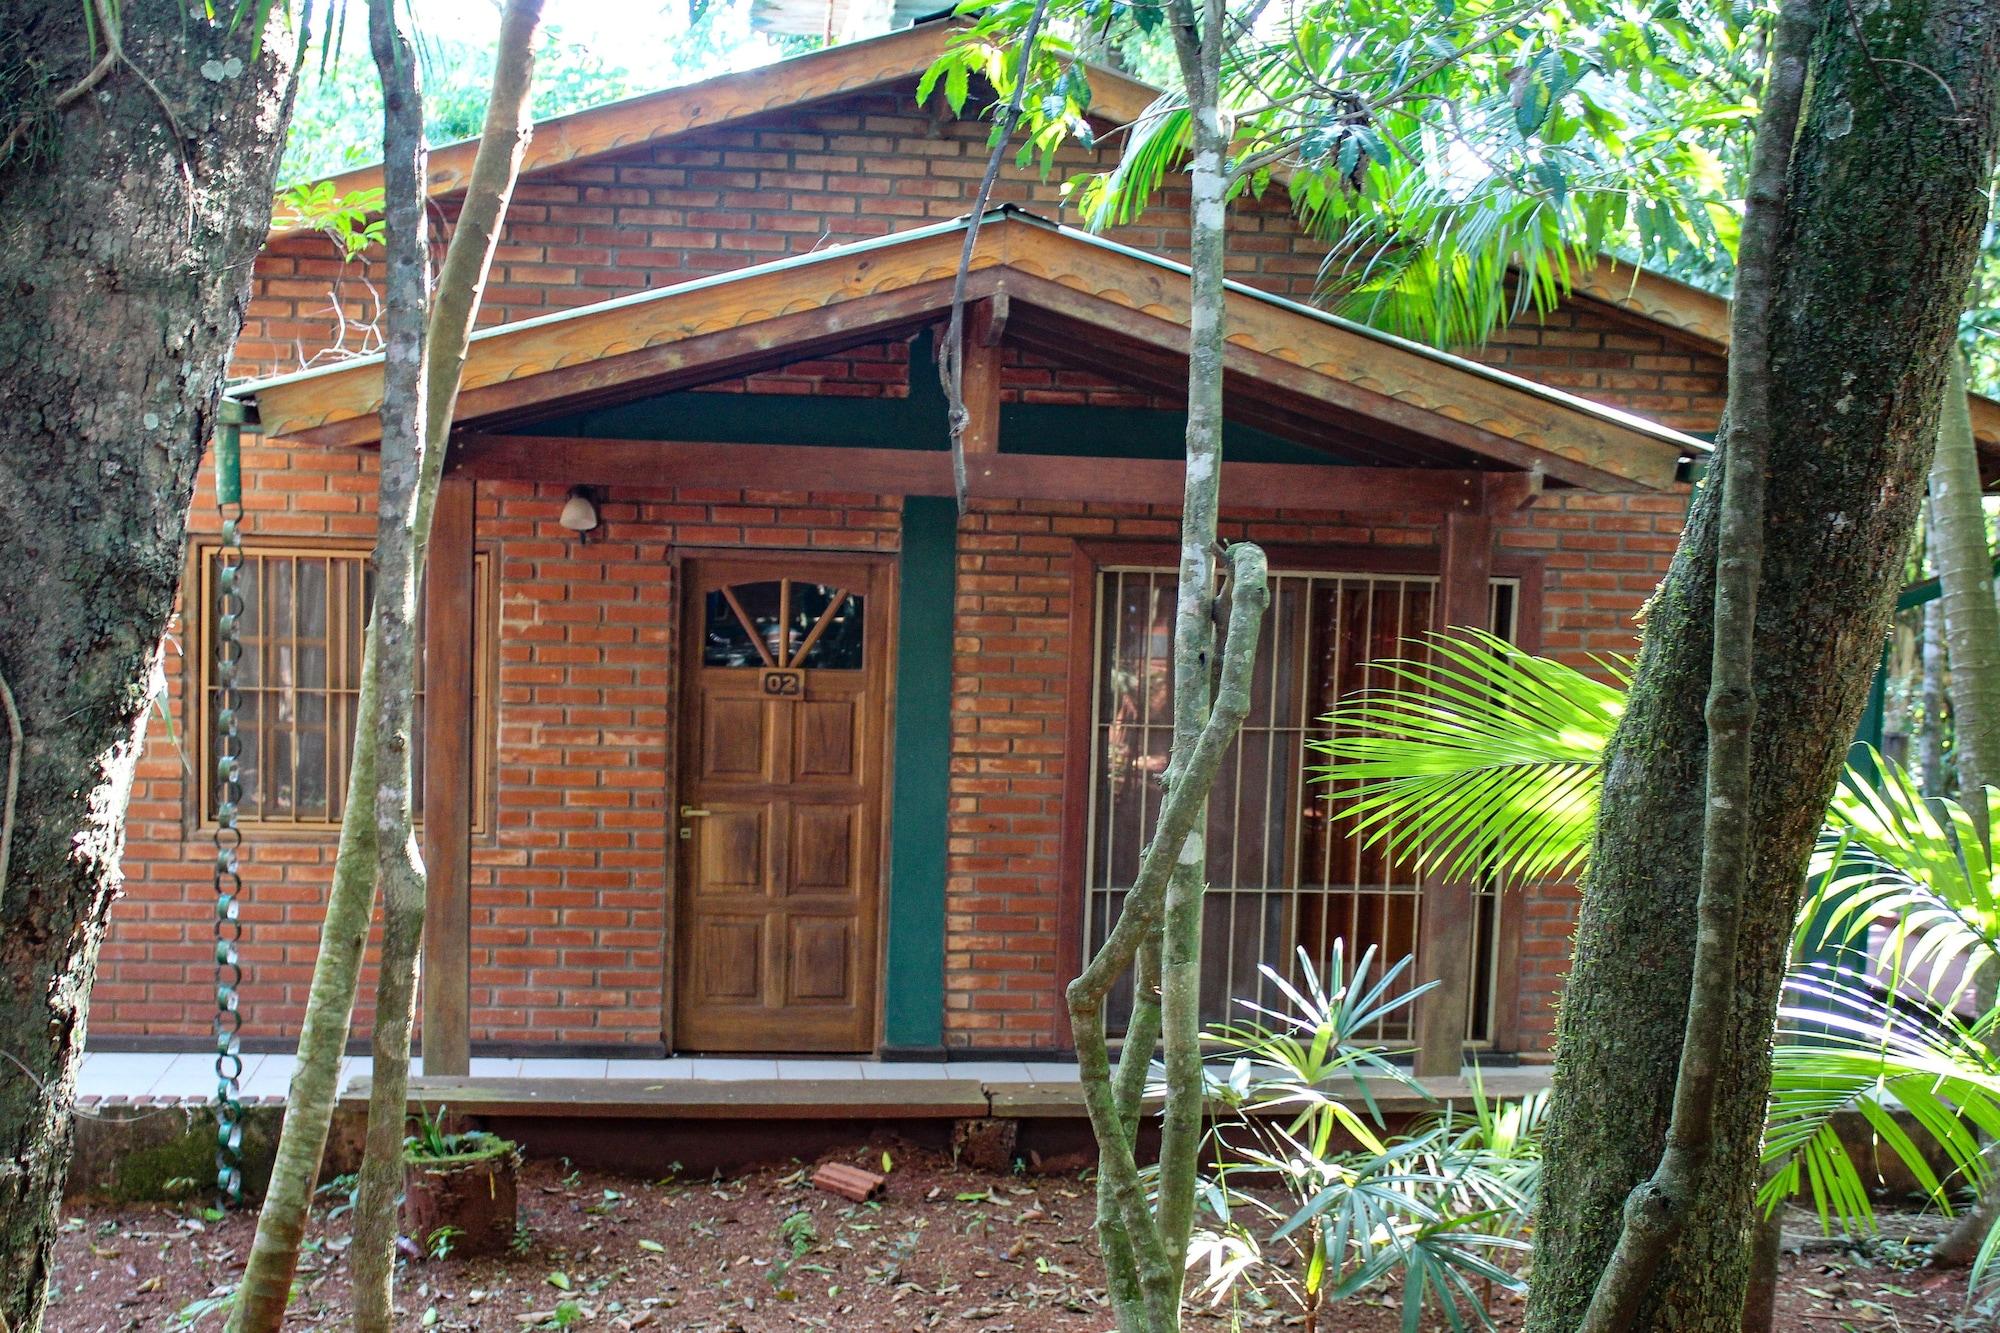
(1157, 144)
(1848, 1046)
(1888, 853)
(1480, 760)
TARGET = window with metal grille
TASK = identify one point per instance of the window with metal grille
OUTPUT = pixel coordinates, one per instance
(305, 617)
(1284, 874)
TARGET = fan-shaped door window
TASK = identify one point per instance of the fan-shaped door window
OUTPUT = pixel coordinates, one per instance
(785, 624)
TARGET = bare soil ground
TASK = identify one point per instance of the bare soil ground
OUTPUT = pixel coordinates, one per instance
(948, 1247)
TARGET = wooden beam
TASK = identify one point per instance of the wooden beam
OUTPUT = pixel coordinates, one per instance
(993, 323)
(699, 330)
(1161, 371)
(1446, 917)
(979, 381)
(451, 600)
(659, 463)
(896, 58)
(991, 476)
(632, 343)
(851, 66)
(1704, 317)
(1261, 486)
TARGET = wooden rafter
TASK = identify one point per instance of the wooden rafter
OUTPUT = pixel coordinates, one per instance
(1704, 317)
(898, 59)
(651, 464)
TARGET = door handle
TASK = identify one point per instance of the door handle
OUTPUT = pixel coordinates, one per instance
(689, 812)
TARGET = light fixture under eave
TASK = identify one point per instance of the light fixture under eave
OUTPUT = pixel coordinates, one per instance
(579, 512)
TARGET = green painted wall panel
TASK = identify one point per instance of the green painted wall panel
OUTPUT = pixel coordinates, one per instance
(913, 1005)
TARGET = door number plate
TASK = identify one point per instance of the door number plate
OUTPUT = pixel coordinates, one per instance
(784, 683)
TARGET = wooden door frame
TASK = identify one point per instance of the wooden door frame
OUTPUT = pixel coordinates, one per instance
(1087, 561)
(678, 559)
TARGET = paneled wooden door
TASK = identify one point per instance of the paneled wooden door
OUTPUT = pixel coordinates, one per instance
(784, 684)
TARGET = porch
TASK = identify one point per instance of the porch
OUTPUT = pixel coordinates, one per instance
(713, 1088)
(655, 1116)
(793, 757)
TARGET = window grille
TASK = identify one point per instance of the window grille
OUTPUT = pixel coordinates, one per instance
(1284, 873)
(304, 621)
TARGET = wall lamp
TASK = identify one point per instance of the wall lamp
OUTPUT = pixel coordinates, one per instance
(579, 513)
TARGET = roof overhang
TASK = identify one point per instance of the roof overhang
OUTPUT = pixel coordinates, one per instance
(1704, 317)
(1308, 363)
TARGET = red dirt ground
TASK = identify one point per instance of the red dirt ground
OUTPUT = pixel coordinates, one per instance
(948, 1247)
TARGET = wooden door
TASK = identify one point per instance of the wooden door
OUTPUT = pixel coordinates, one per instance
(780, 803)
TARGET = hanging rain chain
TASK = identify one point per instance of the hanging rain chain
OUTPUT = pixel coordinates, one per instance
(229, 791)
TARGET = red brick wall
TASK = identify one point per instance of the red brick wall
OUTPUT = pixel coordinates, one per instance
(1012, 661)
(711, 202)
(568, 879)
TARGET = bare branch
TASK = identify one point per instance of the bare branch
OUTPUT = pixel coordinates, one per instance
(951, 352)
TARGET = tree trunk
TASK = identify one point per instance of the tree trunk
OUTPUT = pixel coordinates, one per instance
(125, 259)
(1929, 740)
(406, 310)
(1881, 224)
(1972, 629)
(309, 1110)
(1158, 932)
(1200, 53)
(1965, 577)
(1658, 1209)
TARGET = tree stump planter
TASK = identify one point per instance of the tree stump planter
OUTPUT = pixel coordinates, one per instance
(461, 1202)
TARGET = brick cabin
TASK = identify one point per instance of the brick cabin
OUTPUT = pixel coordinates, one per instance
(783, 754)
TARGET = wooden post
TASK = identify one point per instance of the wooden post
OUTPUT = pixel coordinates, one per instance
(450, 598)
(980, 380)
(1444, 948)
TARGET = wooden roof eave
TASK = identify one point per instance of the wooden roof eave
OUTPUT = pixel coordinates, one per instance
(717, 326)
(1704, 317)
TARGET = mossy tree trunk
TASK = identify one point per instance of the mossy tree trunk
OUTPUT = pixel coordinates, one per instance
(126, 239)
(1880, 229)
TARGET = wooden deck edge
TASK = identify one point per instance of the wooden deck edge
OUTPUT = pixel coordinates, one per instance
(858, 1099)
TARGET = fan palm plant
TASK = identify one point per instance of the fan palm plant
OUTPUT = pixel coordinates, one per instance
(1482, 761)
(1341, 1205)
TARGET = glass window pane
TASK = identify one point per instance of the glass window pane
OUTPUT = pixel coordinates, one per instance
(839, 643)
(727, 640)
(302, 631)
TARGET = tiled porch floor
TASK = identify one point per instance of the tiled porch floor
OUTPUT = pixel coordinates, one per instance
(191, 1075)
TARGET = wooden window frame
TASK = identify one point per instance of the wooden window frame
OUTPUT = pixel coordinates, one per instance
(197, 613)
(1087, 562)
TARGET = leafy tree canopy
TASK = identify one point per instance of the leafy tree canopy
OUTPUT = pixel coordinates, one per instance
(337, 122)
(1462, 158)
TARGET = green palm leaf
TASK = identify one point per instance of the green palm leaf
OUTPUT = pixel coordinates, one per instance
(1847, 1045)
(1481, 760)
(1890, 853)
